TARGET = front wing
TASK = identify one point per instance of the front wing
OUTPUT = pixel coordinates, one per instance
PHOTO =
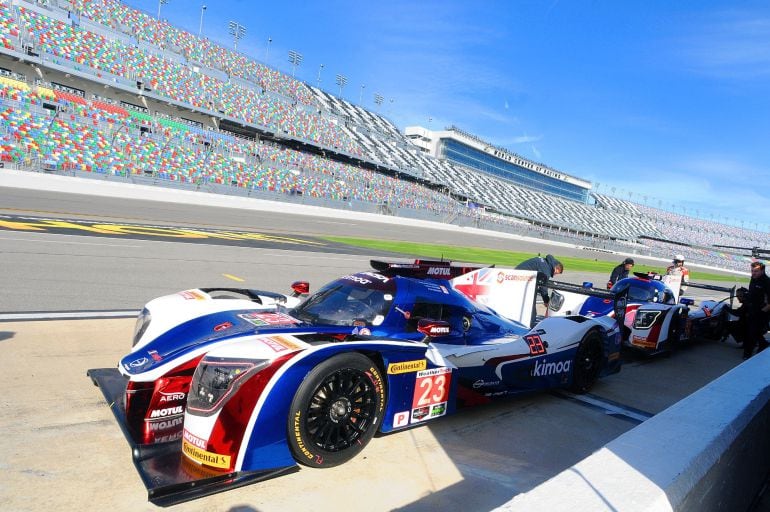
(169, 479)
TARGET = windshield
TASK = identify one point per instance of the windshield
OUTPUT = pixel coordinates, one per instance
(360, 299)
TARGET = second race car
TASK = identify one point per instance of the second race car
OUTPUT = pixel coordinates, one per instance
(656, 319)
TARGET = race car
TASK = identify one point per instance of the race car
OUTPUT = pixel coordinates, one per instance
(219, 391)
(656, 318)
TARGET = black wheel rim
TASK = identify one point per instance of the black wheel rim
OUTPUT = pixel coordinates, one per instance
(341, 410)
(590, 362)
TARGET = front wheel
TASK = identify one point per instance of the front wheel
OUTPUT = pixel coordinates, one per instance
(588, 362)
(336, 411)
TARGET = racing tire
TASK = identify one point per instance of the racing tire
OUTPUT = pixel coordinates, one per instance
(588, 363)
(674, 336)
(336, 411)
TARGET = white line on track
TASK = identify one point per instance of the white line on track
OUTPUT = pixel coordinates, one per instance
(608, 406)
(64, 242)
(66, 315)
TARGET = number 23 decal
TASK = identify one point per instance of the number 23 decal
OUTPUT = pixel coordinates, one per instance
(431, 387)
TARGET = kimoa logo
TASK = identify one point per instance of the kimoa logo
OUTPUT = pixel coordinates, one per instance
(543, 369)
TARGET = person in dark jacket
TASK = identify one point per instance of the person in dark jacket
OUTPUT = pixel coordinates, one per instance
(739, 328)
(759, 310)
(546, 268)
(620, 272)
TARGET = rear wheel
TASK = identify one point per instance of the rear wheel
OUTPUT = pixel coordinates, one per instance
(336, 411)
(588, 362)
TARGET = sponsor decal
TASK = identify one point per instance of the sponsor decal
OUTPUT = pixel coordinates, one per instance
(505, 276)
(262, 319)
(439, 271)
(401, 419)
(298, 436)
(407, 366)
(171, 397)
(169, 411)
(376, 276)
(138, 363)
(191, 295)
(483, 383)
(222, 327)
(438, 410)
(420, 414)
(279, 343)
(154, 355)
(641, 341)
(197, 441)
(544, 369)
(357, 279)
(204, 457)
(155, 426)
(374, 376)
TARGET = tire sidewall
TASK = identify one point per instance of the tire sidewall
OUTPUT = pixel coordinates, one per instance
(300, 441)
(581, 382)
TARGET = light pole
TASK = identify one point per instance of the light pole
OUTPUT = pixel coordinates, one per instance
(267, 53)
(296, 59)
(200, 27)
(361, 96)
(342, 80)
(237, 31)
(378, 99)
(319, 75)
(161, 2)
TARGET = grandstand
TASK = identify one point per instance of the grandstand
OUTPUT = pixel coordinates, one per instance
(97, 87)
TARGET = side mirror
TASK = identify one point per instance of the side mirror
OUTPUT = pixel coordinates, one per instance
(433, 328)
(300, 288)
(621, 301)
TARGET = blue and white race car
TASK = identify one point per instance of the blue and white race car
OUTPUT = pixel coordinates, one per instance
(227, 387)
(657, 319)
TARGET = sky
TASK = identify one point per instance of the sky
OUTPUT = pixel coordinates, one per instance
(663, 103)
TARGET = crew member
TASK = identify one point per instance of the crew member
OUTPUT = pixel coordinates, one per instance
(620, 272)
(759, 310)
(739, 328)
(546, 268)
(677, 268)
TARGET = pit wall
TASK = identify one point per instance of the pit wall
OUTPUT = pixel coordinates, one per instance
(708, 452)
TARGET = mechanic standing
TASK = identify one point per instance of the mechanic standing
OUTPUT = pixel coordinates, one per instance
(677, 268)
(620, 272)
(739, 329)
(546, 268)
(759, 310)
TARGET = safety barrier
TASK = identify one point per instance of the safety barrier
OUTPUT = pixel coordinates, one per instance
(708, 452)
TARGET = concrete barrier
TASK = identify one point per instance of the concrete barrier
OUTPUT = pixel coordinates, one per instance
(708, 452)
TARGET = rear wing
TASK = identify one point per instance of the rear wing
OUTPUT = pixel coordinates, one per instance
(571, 301)
(730, 290)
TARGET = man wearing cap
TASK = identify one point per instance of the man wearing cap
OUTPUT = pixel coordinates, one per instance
(620, 272)
(678, 269)
(546, 268)
(759, 310)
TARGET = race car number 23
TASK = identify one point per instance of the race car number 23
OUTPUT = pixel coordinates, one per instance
(431, 387)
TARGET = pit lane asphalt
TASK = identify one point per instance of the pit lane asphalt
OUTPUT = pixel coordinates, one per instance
(61, 448)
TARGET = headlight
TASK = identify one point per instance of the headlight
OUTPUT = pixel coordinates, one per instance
(645, 319)
(142, 322)
(215, 379)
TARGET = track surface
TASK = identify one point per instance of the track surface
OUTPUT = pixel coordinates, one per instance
(61, 449)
